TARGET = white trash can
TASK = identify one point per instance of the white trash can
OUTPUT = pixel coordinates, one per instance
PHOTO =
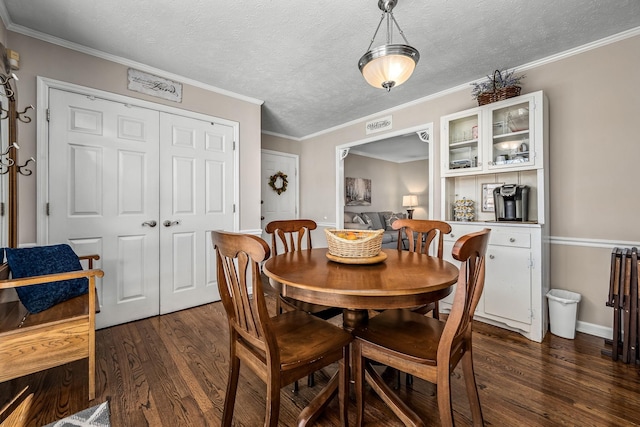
(563, 311)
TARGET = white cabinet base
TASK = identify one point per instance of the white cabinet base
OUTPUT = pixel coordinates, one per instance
(516, 282)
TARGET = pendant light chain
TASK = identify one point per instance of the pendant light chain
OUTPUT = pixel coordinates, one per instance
(399, 29)
(376, 32)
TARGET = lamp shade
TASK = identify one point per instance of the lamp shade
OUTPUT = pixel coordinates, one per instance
(410, 200)
(389, 65)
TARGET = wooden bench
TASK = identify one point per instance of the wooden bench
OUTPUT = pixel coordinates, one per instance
(64, 333)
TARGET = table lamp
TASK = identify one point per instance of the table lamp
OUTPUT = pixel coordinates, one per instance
(410, 201)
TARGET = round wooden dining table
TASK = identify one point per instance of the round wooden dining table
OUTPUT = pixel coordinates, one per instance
(404, 279)
(401, 280)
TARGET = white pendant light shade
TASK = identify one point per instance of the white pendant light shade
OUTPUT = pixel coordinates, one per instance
(389, 65)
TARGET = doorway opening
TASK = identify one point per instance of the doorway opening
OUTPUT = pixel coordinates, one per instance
(412, 147)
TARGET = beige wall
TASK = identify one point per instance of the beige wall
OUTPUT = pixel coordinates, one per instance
(384, 182)
(38, 58)
(284, 145)
(594, 105)
(414, 179)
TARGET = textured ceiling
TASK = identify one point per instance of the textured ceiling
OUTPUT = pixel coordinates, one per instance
(300, 57)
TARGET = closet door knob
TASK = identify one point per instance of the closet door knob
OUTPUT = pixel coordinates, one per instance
(151, 223)
(168, 223)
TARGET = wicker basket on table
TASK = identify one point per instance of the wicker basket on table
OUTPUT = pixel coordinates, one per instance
(366, 244)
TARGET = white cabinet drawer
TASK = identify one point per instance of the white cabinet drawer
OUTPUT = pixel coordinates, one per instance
(459, 230)
(518, 240)
(500, 235)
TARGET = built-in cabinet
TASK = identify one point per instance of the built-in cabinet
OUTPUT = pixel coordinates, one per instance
(502, 143)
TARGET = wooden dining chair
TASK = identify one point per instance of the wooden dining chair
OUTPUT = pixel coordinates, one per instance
(278, 349)
(420, 233)
(289, 235)
(425, 347)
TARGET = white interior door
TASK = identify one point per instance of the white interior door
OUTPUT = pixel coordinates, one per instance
(284, 205)
(104, 197)
(197, 197)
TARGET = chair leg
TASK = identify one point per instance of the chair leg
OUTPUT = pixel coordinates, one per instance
(311, 380)
(358, 376)
(443, 387)
(472, 389)
(296, 387)
(232, 387)
(92, 366)
(343, 388)
(408, 379)
(436, 311)
(273, 401)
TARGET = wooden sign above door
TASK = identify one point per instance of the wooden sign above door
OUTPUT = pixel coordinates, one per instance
(154, 85)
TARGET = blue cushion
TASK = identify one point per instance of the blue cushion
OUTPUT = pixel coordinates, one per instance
(41, 260)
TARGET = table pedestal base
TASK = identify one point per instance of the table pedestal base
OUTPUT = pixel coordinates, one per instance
(353, 318)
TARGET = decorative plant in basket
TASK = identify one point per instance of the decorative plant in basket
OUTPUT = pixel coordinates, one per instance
(503, 84)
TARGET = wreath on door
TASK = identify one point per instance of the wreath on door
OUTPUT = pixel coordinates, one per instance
(273, 182)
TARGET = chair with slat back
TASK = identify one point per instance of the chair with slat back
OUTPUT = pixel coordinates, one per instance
(425, 347)
(419, 234)
(279, 349)
(290, 235)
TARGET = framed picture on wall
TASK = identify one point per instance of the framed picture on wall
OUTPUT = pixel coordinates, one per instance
(487, 196)
(357, 192)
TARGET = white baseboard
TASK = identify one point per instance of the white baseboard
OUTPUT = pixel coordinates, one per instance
(593, 329)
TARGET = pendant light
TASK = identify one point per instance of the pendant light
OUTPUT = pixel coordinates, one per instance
(391, 64)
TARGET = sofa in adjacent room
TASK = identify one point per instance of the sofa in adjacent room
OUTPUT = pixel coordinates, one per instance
(375, 221)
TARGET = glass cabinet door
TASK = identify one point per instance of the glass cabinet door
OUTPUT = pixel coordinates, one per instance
(510, 143)
(463, 152)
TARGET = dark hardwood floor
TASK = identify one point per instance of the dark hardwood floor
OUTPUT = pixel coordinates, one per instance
(172, 370)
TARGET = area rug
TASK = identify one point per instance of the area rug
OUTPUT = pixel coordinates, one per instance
(96, 416)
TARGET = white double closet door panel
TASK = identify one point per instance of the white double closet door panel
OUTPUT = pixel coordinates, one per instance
(196, 185)
(114, 181)
(103, 185)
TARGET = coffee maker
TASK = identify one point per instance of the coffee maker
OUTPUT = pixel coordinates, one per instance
(511, 202)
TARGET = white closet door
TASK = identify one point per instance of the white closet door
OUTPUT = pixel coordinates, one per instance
(103, 188)
(197, 183)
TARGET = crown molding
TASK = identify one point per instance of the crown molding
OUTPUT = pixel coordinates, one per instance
(280, 135)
